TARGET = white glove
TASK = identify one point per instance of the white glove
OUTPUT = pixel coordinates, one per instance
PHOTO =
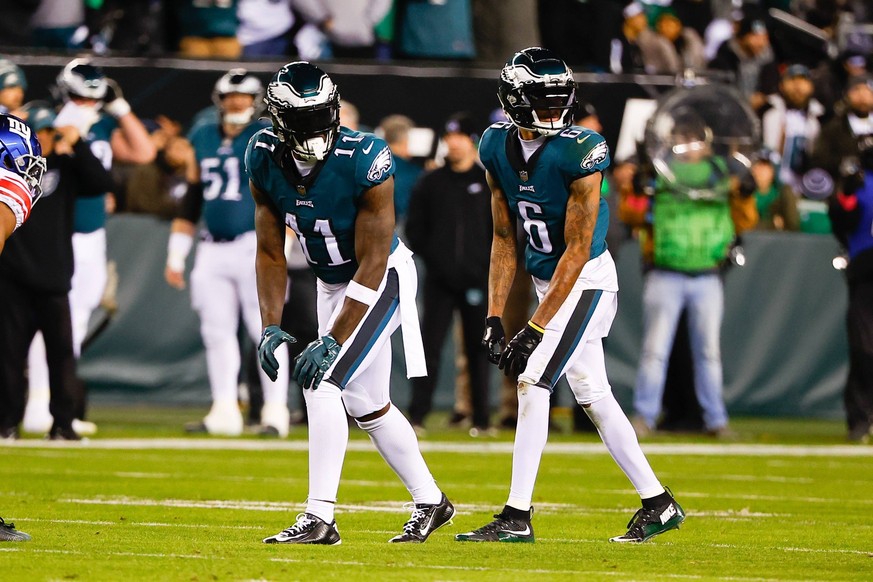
(114, 102)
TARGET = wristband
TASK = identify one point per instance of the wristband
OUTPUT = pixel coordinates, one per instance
(537, 328)
(361, 294)
(117, 108)
(178, 248)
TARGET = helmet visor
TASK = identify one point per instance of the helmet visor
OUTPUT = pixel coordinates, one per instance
(308, 122)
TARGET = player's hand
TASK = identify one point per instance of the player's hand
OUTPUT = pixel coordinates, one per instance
(175, 279)
(114, 102)
(271, 339)
(494, 339)
(515, 356)
(314, 361)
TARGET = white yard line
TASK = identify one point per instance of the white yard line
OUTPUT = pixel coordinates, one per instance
(692, 449)
(384, 507)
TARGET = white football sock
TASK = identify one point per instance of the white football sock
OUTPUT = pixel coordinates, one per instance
(396, 442)
(621, 441)
(328, 438)
(530, 440)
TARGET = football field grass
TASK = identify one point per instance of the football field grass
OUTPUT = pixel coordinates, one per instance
(787, 501)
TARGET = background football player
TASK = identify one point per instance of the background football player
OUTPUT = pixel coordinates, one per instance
(334, 187)
(547, 173)
(223, 280)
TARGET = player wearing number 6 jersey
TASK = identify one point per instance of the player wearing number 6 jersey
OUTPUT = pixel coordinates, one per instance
(335, 188)
(223, 284)
(546, 173)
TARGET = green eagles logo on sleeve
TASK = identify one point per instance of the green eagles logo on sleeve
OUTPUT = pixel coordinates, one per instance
(596, 155)
(381, 164)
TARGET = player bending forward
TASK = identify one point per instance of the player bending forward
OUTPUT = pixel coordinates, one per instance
(547, 173)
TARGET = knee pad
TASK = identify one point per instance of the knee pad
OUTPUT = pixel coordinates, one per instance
(586, 394)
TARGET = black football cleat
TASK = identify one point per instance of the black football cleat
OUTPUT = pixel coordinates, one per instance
(60, 433)
(308, 529)
(510, 525)
(8, 533)
(425, 520)
(648, 523)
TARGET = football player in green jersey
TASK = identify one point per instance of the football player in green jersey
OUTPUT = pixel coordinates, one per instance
(223, 284)
(547, 173)
(334, 188)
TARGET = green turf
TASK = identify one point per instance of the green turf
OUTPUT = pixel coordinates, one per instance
(98, 514)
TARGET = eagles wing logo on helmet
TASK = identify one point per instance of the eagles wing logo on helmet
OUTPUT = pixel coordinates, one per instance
(381, 164)
(597, 154)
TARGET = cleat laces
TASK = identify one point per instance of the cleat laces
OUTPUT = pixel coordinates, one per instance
(303, 521)
(637, 523)
(493, 527)
(413, 526)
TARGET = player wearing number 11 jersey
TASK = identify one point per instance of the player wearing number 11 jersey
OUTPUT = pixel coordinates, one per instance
(335, 189)
(546, 174)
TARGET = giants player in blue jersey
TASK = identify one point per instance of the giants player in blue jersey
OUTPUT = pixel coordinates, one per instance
(21, 169)
(334, 188)
(546, 174)
(223, 282)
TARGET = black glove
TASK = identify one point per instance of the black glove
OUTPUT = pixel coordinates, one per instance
(515, 356)
(494, 339)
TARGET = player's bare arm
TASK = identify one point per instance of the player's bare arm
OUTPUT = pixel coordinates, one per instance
(270, 260)
(7, 224)
(582, 208)
(183, 228)
(374, 230)
(503, 250)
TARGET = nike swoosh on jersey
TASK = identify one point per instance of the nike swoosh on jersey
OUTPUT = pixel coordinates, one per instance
(581, 140)
(367, 149)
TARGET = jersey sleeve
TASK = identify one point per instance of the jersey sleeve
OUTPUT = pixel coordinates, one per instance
(258, 151)
(375, 163)
(491, 140)
(15, 194)
(586, 152)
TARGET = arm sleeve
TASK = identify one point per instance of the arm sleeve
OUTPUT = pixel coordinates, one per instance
(192, 203)
(92, 177)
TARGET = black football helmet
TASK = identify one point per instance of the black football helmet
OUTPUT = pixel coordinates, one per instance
(303, 103)
(238, 81)
(533, 80)
(82, 79)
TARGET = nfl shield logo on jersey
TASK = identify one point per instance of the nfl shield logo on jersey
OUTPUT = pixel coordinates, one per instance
(523, 175)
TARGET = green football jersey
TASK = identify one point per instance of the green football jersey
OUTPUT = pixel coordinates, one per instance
(90, 213)
(321, 208)
(228, 207)
(538, 190)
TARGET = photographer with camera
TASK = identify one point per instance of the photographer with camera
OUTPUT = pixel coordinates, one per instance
(845, 151)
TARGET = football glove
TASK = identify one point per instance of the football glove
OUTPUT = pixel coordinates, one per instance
(271, 339)
(315, 360)
(114, 102)
(515, 356)
(494, 339)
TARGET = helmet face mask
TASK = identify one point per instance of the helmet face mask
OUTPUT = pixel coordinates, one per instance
(21, 153)
(81, 79)
(537, 91)
(238, 81)
(303, 103)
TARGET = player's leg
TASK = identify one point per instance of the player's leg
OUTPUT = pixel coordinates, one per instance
(275, 418)
(705, 310)
(67, 391)
(88, 283)
(328, 439)
(363, 367)
(474, 309)
(663, 300)
(214, 298)
(17, 327)
(37, 418)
